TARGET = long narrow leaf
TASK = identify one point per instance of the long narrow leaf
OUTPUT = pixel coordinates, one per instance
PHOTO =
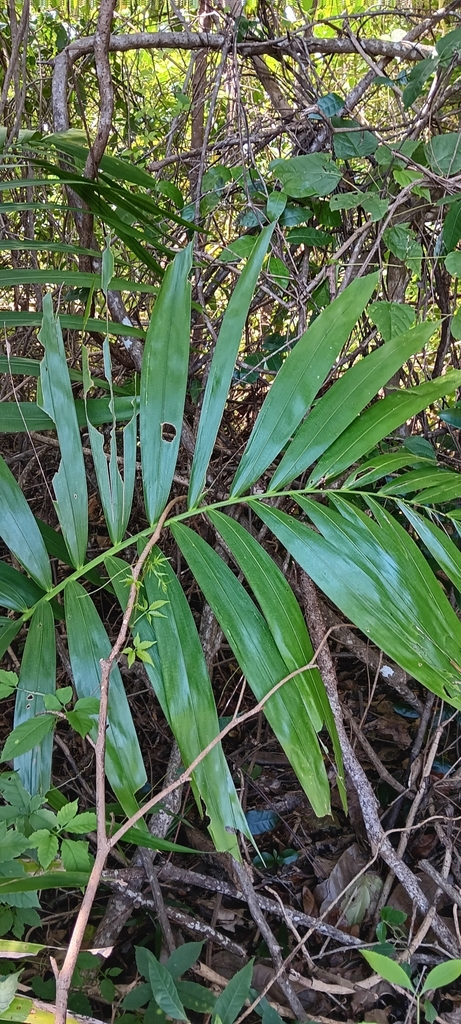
(223, 364)
(17, 417)
(261, 663)
(57, 401)
(20, 531)
(370, 600)
(381, 419)
(164, 382)
(181, 682)
(299, 379)
(345, 400)
(285, 620)
(88, 643)
(37, 676)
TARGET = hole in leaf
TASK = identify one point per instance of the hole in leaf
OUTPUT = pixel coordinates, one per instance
(168, 432)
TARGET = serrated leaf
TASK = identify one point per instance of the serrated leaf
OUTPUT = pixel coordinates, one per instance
(67, 812)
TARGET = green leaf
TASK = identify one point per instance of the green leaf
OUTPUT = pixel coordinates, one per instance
(196, 997)
(88, 643)
(17, 591)
(442, 975)
(345, 400)
(453, 261)
(223, 363)
(70, 481)
(164, 383)
(417, 79)
(387, 969)
(181, 682)
(452, 230)
(443, 153)
(116, 490)
(74, 855)
(286, 623)
(27, 736)
(230, 1002)
(348, 145)
(46, 844)
(369, 428)
(8, 989)
(164, 989)
(37, 677)
(297, 382)
(312, 175)
(20, 531)
(391, 318)
(183, 958)
(261, 663)
(374, 572)
(402, 243)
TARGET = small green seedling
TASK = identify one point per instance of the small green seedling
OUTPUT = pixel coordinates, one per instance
(394, 973)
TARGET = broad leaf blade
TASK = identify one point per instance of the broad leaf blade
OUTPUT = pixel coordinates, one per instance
(181, 682)
(57, 401)
(377, 588)
(345, 400)
(88, 643)
(37, 676)
(20, 531)
(299, 379)
(261, 663)
(381, 419)
(164, 382)
(223, 363)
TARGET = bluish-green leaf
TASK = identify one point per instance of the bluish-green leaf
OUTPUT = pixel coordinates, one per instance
(37, 676)
(88, 643)
(345, 400)
(164, 383)
(369, 428)
(20, 531)
(57, 401)
(299, 379)
(253, 645)
(223, 363)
